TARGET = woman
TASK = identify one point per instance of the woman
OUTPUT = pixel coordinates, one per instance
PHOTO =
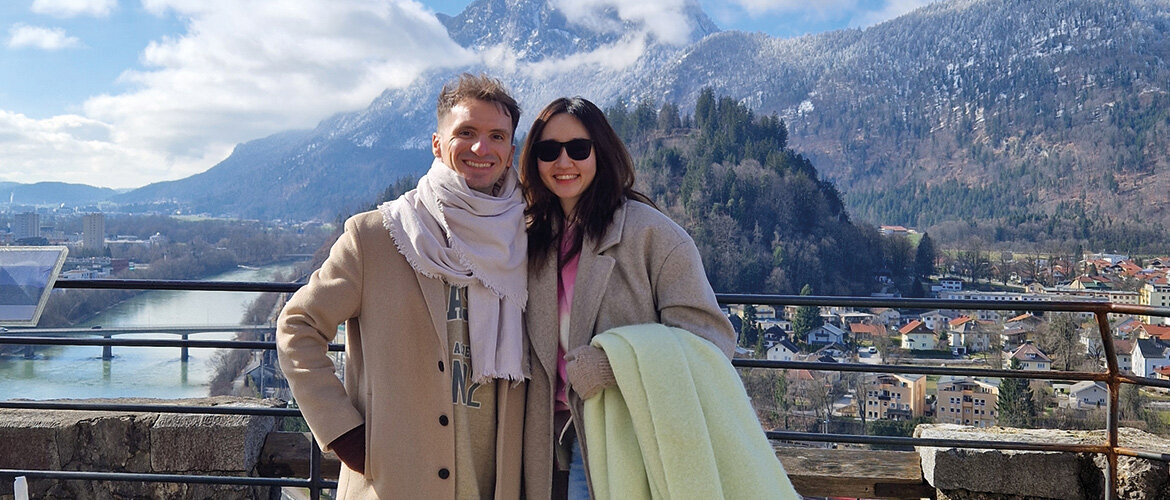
(600, 256)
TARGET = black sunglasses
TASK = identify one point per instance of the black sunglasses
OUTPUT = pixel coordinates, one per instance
(550, 150)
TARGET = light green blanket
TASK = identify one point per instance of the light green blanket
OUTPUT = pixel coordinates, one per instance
(678, 424)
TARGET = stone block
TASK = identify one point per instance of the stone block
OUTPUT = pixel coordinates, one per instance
(1004, 472)
(970, 474)
(208, 443)
(112, 441)
(29, 440)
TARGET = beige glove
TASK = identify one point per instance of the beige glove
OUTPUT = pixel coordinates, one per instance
(588, 370)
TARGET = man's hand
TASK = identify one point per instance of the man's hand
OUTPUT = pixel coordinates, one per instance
(588, 370)
(350, 448)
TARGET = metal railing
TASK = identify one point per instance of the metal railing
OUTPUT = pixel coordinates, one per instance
(1112, 377)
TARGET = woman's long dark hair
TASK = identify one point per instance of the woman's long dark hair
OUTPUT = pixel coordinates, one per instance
(612, 185)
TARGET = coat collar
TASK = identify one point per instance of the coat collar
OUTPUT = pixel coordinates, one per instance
(613, 234)
(593, 272)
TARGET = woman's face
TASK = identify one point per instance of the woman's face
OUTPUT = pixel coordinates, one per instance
(566, 177)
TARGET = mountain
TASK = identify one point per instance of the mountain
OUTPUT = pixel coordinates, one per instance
(962, 110)
(969, 109)
(350, 158)
(52, 193)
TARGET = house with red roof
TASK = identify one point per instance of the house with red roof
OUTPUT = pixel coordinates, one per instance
(916, 336)
(1030, 358)
(1148, 331)
(868, 332)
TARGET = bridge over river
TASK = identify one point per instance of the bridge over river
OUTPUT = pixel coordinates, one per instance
(78, 336)
(147, 358)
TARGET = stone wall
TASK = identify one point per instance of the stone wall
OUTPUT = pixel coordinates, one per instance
(164, 443)
(973, 474)
(229, 445)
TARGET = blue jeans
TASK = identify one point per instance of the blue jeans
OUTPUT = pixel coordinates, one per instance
(578, 484)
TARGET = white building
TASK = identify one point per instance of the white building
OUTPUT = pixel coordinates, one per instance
(967, 333)
(1149, 355)
(916, 336)
(1030, 358)
(784, 350)
(826, 334)
(1088, 394)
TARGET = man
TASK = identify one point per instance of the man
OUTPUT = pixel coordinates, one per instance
(431, 288)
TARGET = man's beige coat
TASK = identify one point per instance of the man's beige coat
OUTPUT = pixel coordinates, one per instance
(646, 269)
(397, 370)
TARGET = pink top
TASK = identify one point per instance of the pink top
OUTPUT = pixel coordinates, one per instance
(565, 282)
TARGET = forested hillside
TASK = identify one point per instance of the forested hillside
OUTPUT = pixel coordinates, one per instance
(1050, 112)
(763, 218)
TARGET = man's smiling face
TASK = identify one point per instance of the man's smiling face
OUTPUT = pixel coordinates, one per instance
(475, 140)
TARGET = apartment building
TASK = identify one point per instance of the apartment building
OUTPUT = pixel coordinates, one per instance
(966, 401)
(895, 397)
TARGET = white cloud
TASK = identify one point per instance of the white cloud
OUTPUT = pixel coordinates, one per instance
(36, 37)
(71, 148)
(660, 21)
(72, 8)
(664, 19)
(243, 69)
(612, 57)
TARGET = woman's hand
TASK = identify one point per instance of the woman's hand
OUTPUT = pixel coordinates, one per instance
(588, 370)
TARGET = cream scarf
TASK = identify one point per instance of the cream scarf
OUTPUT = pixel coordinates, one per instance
(451, 232)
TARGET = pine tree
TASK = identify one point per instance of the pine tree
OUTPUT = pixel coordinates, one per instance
(1015, 406)
(924, 257)
(807, 318)
(750, 329)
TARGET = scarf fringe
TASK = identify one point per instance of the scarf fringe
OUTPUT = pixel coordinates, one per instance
(423, 235)
(518, 298)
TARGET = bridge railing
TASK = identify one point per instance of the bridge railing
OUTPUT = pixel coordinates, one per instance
(1113, 377)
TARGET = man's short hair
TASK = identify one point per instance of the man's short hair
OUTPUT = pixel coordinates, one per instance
(482, 87)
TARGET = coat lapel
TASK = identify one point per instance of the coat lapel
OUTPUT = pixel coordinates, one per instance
(593, 272)
(542, 313)
(435, 294)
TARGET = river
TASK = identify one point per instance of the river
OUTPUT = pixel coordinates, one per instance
(153, 372)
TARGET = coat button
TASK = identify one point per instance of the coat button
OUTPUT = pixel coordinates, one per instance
(440, 366)
(443, 420)
(444, 473)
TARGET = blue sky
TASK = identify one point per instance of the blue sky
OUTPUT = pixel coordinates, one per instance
(121, 93)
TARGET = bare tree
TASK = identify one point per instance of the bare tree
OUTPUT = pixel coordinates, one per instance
(974, 260)
(1004, 267)
(859, 383)
(1060, 339)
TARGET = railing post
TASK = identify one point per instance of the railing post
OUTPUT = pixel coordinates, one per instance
(107, 350)
(1112, 419)
(183, 355)
(315, 471)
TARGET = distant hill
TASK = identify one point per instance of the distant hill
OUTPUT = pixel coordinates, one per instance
(52, 193)
(971, 109)
(975, 110)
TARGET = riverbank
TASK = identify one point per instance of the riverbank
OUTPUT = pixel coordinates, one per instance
(80, 371)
